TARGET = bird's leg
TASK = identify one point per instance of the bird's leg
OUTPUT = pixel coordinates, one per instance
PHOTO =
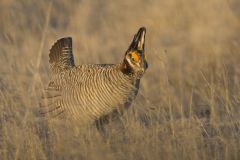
(101, 126)
(104, 122)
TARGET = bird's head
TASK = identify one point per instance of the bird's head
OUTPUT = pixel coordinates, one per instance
(135, 59)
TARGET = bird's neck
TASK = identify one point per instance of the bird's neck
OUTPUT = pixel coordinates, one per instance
(126, 68)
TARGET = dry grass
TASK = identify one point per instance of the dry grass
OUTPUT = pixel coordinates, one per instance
(188, 106)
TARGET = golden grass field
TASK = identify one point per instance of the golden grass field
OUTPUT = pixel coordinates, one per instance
(189, 101)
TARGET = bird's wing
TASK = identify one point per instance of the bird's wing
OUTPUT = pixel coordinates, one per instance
(50, 104)
(61, 55)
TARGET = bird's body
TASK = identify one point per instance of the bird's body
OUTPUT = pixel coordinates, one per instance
(87, 92)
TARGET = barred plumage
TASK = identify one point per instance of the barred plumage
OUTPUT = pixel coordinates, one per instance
(88, 92)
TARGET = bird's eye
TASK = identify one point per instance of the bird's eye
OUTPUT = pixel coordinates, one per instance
(134, 57)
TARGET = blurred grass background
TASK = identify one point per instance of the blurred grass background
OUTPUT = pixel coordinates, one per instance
(188, 105)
